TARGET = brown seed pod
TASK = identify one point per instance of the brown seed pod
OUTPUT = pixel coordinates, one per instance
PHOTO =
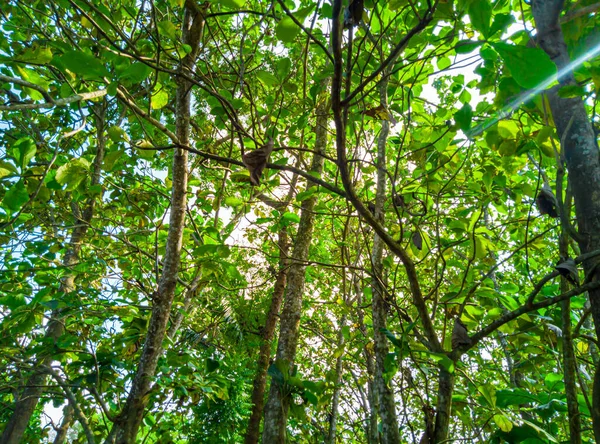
(256, 161)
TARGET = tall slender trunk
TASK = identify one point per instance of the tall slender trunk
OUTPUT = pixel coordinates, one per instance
(25, 405)
(68, 417)
(580, 149)
(264, 354)
(276, 410)
(371, 431)
(444, 405)
(568, 350)
(335, 401)
(385, 395)
(127, 424)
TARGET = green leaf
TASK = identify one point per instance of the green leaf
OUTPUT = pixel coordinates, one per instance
(508, 397)
(480, 14)
(231, 4)
(442, 360)
(24, 149)
(286, 30)
(212, 365)
(463, 117)
(168, 29)
(503, 422)
(83, 64)
(284, 66)
(72, 173)
(489, 394)
(466, 46)
(530, 67)
(501, 23)
(303, 195)
(267, 78)
(7, 169)
(136, 73)
(290, 217)
(159, 98)
(38, 55)
(233, 201)
(571, 91)
(16, 196)
(117, 134)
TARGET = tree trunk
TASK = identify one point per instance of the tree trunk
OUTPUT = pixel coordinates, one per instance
(127, 424)
(580, 149)
(27, 402)
(371, 419)
(61, 432)
(335, 401)
(444, 405)
(385, 395)
(276, 410)
(264, 355)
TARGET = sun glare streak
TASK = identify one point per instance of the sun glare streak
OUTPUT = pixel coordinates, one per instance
(528, 95)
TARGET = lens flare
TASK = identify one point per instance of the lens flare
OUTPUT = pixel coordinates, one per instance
(528, 95)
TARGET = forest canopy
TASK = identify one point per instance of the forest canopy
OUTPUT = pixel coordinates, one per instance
(299, 221)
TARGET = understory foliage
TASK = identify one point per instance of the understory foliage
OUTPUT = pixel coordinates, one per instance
(88, 119)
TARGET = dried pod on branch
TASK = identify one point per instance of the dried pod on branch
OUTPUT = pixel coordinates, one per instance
(546, 202)
(459, 334)
(256, 161)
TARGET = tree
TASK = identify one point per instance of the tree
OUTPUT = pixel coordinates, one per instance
(400, 243)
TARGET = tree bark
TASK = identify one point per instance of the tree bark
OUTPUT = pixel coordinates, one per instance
(61, 432)
(335, 401)
(27, 402)
(580, 149)
(276, 410)
(386, 405)
(264, 354)
(444, 405)
(127, 424)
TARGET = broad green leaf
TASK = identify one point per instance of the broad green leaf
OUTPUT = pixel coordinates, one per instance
(480, 14)
(111, 159)
(231, 4)
(83, 64)
(284, 67)
(7, 169)
(303, 195)
(570, 91)
(117, 134)
(442, 360)
(489, 394)
(233, 201)
(24, 150)
(503, 422)
(15, 197)
(463, 117)
(212, 365)
(508, 397)
(466, 46)
(72, 173)
(501, 23)
(286, 30)
(530, 67)
(136, 73)
(168, 29)
(290, 217)
(267, 78)
(38, 55)
(160, 97)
